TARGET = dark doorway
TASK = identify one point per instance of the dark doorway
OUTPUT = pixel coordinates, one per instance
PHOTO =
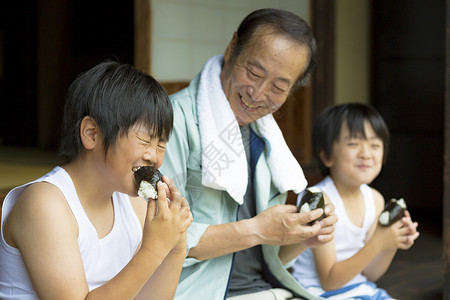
(18, 73)
(43, 47)
(408, 90)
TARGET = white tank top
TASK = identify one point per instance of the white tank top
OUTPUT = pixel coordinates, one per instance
(102, 258)
(348, 237)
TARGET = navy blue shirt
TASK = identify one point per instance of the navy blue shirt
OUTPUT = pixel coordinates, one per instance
(247, 273)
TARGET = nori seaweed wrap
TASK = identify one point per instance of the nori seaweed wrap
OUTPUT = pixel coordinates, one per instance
(392, 212)
(312, 199)
(147, 178)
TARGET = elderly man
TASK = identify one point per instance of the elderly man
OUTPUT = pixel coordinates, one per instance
(229, 159)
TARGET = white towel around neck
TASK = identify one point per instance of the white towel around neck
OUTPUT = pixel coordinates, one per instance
(224, 164)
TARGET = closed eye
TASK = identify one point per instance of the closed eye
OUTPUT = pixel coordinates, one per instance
(252, 74)
(144, 141)
(278, 90)
(148, 143)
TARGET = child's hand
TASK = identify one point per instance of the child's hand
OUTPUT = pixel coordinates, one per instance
(400, 235)
(164, 229)
(181, 246)
(413, 234)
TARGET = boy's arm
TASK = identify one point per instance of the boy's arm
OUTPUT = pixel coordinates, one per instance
(167, 275)
(381, 245)
(333, 274)
(42, 226)
(164, 280)
(161, 235)
(381, 263)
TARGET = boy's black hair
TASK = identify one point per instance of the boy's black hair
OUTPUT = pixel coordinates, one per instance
(328, 127)
(282, 22)
(117, 96)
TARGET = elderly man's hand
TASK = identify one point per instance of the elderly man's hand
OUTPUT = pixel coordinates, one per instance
(326, 233)
(282, 225)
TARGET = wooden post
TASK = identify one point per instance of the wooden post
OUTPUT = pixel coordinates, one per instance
(446, 198)
(323, 24)
(142, 35)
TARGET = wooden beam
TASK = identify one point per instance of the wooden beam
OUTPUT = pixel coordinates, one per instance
(323, 24)
(446, 198)
(142, 35)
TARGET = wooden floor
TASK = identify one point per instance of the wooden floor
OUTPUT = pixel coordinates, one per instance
(417, 273)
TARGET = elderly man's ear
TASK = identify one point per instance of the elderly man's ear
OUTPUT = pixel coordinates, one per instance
(231, 47)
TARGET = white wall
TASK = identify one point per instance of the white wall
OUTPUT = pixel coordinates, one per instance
(185, 33)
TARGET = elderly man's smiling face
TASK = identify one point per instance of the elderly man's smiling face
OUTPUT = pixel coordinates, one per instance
(259, 80)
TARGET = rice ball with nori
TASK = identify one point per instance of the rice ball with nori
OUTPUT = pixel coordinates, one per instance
(312, 199)
(392, 212)
(147, 178)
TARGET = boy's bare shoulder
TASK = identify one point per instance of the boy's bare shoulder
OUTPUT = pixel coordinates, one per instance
(42, 200)
(39, 207)
(378, 199)
(41, 194)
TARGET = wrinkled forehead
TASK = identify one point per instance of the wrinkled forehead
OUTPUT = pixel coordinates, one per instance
(277, 55)
(265, 36)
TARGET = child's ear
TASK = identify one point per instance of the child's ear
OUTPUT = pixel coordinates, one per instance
(325, 160)
(89, 133)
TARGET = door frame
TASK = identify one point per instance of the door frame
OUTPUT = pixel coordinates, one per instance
(446, 179)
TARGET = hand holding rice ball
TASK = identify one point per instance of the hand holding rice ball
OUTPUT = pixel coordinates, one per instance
(393, 211)
(147, 178)
(312, 199)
